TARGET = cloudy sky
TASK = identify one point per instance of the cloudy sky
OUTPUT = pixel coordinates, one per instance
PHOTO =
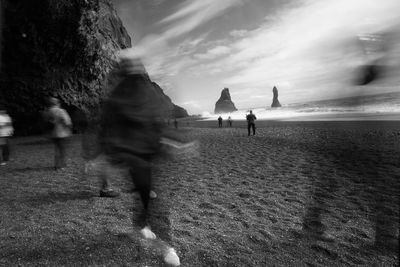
(308, 49)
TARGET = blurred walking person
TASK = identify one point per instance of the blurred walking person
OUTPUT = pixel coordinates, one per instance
(131, 131)
(251, 118)
(60, 129)
(6, 130)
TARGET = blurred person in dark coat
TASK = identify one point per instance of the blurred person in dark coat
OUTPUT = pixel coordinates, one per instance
(251, 118)
(130, 135)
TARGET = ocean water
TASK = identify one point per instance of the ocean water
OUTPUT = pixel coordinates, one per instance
(375, 107)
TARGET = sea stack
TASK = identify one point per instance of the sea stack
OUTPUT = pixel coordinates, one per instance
(224, 103)
(275, 101)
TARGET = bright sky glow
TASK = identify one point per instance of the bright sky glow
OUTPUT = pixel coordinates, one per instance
(308, 49)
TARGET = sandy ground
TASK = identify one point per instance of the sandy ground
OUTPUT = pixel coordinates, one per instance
(240, 201)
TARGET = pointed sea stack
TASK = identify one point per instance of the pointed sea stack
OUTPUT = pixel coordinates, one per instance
(275, 101)
(224, 103)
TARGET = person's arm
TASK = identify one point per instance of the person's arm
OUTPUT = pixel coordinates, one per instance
(65, 118)
(9, 126)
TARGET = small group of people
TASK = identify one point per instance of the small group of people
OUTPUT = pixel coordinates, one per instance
(250, 118)
(58, 124)
(228, 122)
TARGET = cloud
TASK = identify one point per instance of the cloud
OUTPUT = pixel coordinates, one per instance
(238, 33)
(192, 14)
(307, 48)
(307, 45)
(206, 8)
(156, 3)
(214, 52)
(190, 104)
(264, 96)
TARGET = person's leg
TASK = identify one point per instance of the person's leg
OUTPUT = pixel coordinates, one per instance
(141, 177)
(248, 128)
(254, 128)
(157, 218)
(104, 175)
(62, 148)
(56, 142)
(6, 150)
(2, 155)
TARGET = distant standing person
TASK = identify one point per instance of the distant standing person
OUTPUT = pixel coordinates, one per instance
(219, 121)
(6, 130)
(251, 122)
(61, 129)
(229, 121)
(176, 124)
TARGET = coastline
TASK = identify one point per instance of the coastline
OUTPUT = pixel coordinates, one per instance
(392, 121)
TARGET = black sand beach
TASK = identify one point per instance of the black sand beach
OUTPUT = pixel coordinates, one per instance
(240, 202)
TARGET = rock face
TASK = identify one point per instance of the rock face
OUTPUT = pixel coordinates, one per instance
(170, 110)
(59, 48)
(275, 101)
(224, 103)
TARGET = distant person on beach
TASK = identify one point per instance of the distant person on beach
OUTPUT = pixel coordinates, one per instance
(251, 118)
(6, 130)
(131, 131)
(60, 130)
(219, 121)
(229, 121)
(176, 124)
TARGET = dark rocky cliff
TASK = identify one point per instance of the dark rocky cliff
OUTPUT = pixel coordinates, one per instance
(170, 110)
(224, 103)
(62, 48)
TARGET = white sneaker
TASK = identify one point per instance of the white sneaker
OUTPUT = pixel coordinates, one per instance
(171, 258)
(147, 233)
